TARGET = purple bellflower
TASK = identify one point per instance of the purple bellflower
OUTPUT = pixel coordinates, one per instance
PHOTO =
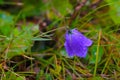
(76, 44)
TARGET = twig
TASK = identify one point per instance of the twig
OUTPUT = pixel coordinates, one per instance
(12, 3)
(76, 11)
(95, 3)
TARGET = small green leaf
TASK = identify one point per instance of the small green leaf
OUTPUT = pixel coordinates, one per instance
(6, 22)
(64, 53)
(93, 56)
(48, 77)
(69, 77)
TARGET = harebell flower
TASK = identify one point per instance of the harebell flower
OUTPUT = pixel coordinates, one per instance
(76, 44)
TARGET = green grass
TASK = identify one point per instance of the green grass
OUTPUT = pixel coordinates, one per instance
(27, 53)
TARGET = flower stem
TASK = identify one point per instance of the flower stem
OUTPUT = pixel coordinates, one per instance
(97, 53)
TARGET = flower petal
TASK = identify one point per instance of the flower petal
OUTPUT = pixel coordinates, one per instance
(68, 49)
(78, 49)
(82, 53)
(83, 39)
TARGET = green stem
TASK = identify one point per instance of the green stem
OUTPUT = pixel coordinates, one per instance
(97, 53)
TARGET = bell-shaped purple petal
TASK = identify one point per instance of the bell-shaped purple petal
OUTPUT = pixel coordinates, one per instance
(76, 44)
(84, 40)
(69, 49)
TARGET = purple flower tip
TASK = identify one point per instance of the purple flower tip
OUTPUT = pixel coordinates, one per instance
(76, 44)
